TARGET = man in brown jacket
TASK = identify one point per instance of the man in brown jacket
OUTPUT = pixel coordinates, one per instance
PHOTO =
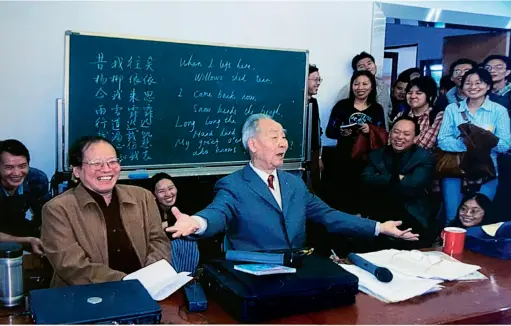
(100, 231)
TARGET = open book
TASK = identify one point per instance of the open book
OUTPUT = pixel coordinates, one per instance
(160, 279)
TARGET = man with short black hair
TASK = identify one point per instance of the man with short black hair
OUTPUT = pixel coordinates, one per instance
(454, 95)
(24, 191)
(365, 61)
(397, 178)
(499, 68)
(313, 82)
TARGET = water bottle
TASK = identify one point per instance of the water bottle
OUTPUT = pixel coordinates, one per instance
(11, 274)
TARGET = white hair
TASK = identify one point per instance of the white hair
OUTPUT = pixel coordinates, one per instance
(251, 128)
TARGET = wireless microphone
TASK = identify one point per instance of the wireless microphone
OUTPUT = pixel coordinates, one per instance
(381, 273)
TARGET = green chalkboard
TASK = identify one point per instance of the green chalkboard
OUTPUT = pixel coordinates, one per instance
(166, 103)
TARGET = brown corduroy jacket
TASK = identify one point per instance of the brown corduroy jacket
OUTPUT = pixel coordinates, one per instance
(74, 234)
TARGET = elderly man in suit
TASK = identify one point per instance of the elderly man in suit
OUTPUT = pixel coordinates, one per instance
(263, 208)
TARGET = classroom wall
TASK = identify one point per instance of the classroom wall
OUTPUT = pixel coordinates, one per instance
(32, 39)
(430, 40)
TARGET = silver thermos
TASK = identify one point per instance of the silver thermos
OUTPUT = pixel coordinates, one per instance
(11, 274)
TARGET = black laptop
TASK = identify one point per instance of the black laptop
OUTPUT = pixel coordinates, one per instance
(123, 302)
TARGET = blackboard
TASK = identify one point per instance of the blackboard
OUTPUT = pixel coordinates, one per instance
(167, 103)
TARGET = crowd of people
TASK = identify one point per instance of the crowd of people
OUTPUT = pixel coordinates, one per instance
(408, 161)
(421, 152)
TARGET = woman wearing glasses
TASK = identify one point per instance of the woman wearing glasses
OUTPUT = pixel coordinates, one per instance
(473, 210)
(479, 111)
(100, 231)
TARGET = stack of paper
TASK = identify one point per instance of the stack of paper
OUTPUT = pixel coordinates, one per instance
(415, 273)
(160, 279)
(430, 265)
(402, 287)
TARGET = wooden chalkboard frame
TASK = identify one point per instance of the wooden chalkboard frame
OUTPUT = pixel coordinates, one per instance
(206, 168)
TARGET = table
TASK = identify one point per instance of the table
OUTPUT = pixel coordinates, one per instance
(461, 302)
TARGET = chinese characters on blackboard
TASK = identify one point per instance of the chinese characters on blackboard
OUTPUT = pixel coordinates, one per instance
(124, 87)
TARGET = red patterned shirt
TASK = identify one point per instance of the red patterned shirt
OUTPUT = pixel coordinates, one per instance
(428, 133)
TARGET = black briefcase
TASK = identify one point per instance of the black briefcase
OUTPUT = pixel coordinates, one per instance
(318, 284)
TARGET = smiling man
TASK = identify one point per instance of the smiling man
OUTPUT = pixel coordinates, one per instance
(314, 80)
(397, 178)
(261, 207)
(24, 190)
(100, 231)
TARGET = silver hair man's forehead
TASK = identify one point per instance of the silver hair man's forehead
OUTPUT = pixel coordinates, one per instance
(251, 128)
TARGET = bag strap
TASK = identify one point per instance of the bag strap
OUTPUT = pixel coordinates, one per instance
(463, 114)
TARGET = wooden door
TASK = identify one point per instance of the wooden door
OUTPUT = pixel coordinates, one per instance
(473, 46)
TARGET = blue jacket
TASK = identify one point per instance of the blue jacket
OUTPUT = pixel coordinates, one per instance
(247, 211)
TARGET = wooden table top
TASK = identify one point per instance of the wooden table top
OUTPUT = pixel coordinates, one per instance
(460, 302)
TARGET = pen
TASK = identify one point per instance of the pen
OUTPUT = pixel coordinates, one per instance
(333, 253)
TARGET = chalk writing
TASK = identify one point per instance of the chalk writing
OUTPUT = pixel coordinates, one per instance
(260, 79)
(208, 77)
(193, 105)
(185, 124)
(189, 62)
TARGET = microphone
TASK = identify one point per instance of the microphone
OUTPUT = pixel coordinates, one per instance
(381, 273)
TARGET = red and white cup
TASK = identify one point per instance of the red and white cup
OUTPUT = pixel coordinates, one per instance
(454, 240)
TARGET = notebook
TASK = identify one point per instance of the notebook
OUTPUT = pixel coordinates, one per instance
(264, 269)
(112, 302)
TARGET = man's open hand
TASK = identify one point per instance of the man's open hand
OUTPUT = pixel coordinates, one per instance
(390, 228)
(184, 226)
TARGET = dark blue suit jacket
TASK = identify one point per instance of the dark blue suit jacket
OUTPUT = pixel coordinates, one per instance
(247, 211)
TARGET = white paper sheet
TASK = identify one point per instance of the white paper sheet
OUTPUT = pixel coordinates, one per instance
(160, 279)
(420, 264)
(401, 288)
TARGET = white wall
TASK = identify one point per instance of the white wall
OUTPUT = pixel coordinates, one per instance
(32, 39)
(407, 58)
(32, 43)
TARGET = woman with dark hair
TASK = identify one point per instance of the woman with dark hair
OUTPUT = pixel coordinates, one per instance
(476, 110)
(100, 231)
(348, 119)
(420, 95)
(473, 210)
(184, 252)
(410, 74)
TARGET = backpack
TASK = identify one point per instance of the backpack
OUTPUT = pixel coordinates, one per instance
(497, 245)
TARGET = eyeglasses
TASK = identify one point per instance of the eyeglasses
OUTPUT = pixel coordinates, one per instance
(495, 68)
(317, 80)
(458, 72)
(98, 164)
(472, 211)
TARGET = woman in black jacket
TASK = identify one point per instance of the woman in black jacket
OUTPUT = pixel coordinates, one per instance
(350, 117)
